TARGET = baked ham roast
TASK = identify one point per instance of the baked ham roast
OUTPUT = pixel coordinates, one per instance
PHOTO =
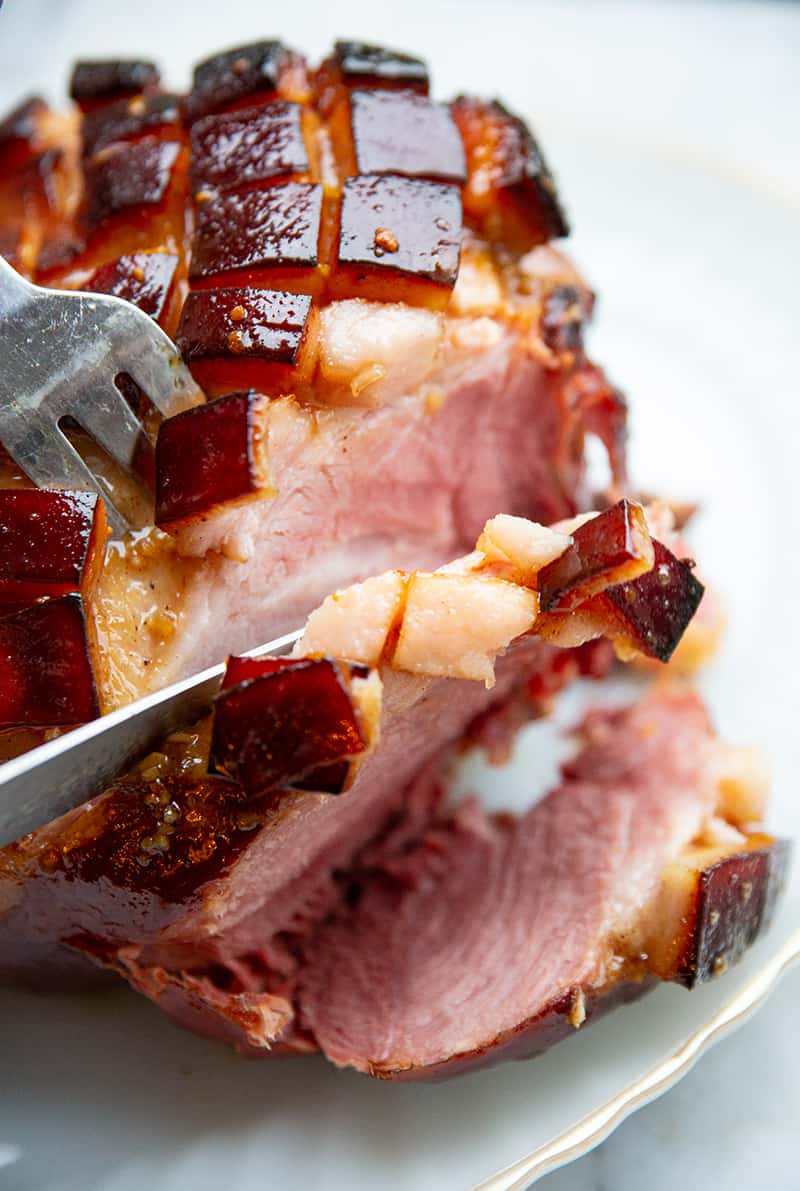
(362, 281)
(288, 874)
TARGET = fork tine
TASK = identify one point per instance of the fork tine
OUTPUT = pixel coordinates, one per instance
(105, 414)
(49, 460)
(159, 371)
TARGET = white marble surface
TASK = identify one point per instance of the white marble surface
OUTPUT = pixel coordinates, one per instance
(734, 1122)
(731, 1125)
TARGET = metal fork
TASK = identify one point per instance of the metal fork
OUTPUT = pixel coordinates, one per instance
(61, 351)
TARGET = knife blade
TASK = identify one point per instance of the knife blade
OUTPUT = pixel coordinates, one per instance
(61, 774)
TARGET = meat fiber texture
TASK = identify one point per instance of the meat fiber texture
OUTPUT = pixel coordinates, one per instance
(470, 421)
(222, 892)
(463, 939)
(178, 863)
(487, 932)
(228, 905)
(400, 936)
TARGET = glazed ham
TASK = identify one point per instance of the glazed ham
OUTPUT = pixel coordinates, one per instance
(287, 876)
(363, 281)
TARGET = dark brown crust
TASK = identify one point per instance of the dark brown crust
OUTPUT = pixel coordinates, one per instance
(279, 728)
(51, 544)
(398, 132)
(510, 193)
(103, 81)
(128, 177)
(263, 230)
(652, 612)
(605, 551)
(363, 64)
(207, 456)
(48, 676)
(128, 120)
(19, 128)
(267, 324)
(734, 902)
(235, 150)
(393, 227)
(237, 75)
(143, 278)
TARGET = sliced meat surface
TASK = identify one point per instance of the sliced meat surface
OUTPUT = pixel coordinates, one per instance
(399, 937)
(352, 492)
(467, 941)
(185, 863)
(459, 939)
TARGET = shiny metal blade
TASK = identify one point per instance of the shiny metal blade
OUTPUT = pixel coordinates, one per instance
(57, 776)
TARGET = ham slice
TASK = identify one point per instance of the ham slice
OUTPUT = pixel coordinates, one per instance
(489, 937)
(396, 934)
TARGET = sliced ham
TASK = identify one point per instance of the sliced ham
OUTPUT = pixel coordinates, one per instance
(399, 936)
(210, 875)
(348, 492)
(362, 281)
(488, 936)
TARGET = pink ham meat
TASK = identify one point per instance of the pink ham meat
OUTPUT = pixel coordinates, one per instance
(458, 939)
(472, 416)
(248, 870)
(176, 862)
(398, 936)
(491, 937)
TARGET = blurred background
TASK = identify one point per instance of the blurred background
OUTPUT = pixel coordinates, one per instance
(672, 129)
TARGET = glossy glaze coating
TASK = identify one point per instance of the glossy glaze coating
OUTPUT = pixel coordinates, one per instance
(143, 278)
(237, 75)
(732, 902)
(97, 82)
(652, 612)
(399, 132)
(398, 234)
(510, 194)
(361, 63)
(239, 149)
(51, 544)
(46, 675)
(258, 336)
(208, 455)
(272, 730)
(605, 549)
(130, 119)
(269, 184)
(266, 232)
(128, 177)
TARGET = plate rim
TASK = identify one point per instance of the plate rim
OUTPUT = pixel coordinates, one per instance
(595, 1127)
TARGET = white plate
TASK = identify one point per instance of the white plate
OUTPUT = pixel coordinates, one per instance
(697, 318)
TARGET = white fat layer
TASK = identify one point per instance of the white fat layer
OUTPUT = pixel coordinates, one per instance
(526, 544)
(354, 623)
(377, 349)
(455, 625)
